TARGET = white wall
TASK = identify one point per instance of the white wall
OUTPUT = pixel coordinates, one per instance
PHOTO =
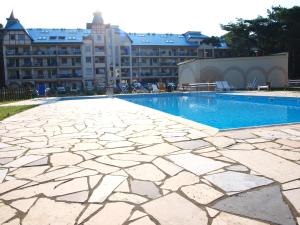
(237, 71)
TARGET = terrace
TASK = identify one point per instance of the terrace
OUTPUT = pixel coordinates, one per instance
(91, 159)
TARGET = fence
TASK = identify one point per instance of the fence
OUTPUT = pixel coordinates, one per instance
(294, 83)
(13, 94)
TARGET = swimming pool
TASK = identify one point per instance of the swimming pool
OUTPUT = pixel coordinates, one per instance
(223, 111)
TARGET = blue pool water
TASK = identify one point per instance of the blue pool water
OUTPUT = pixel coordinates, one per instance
(223, 111)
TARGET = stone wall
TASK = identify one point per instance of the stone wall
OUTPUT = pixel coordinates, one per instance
(237, 71)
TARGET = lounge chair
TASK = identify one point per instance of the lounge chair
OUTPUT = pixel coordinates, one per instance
(138, 88)
(124, 88)
(171, 86)
(219, 86)
(266, 87)
(154, 88)
(162, 86)
(226, 86)
(252, 85)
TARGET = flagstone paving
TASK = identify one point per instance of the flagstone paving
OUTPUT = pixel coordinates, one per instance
(108, 161)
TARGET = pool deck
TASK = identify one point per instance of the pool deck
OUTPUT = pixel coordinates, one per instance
(110, 162)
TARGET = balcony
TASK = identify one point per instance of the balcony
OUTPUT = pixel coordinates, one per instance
(125, 64)
(167, 74)
(27, 77)
(99, 53)
(43, 52)
(98, 64)
(71, 75)
(69, 52)
(125, 53)
(125, 74)
(11, 65)
(10, 52)
(26, 64)
(187, 54)
(148, 54)
(144, 64)
(168, 64)
(37, 64)
(65, 64)
(26, 53)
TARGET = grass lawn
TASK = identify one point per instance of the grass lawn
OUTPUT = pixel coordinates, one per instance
(6, 102)
(6, 111)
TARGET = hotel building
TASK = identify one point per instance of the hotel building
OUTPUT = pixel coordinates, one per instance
(96, 57)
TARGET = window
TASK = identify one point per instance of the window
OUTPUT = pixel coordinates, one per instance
(89, 71)
(64, 60)
(52, 37)
(99, 49)
(61, 38)
(88, 59)
(77, 72)
(21, 37)
(12, 37)
(99, 59)
(98, 37)
(88, 48)
(100, 71)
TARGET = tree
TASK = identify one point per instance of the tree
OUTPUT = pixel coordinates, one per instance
(214, 41)
(278, 32)
(238, 37)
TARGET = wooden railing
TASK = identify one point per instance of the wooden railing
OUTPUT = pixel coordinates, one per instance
(294, 83)
(13, 94)
(197, 86)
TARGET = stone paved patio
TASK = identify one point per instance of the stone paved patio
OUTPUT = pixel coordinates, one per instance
(110, 162)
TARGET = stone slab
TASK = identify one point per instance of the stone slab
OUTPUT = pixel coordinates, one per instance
(6, 213)
(127, 197)
(75, 197)
(24, 160)
(196, 164)
(236, 182)
(173, 209)
(143, 221)
(167, 166)
(201, 193)
(146, 172)
(145, 188)
(23, 204)
(230, 219)
(267, 164)
(159, 150)
(106, 187)
(181, 179)
(265, 204)
(60, 214)
(112, 214)
(294, 197)
(3, 173)
(191, 145)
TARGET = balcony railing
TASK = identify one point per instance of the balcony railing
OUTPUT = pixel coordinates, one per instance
(74, 75)
(125, 52)
(158, 75)
(10, 65)
(168, 64)
(125, 64)
(38, 64)
(69, 52)
(44, 52)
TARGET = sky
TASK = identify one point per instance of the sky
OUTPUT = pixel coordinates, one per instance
(139, 16)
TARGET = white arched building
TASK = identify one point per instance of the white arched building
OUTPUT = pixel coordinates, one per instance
(238, 72)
